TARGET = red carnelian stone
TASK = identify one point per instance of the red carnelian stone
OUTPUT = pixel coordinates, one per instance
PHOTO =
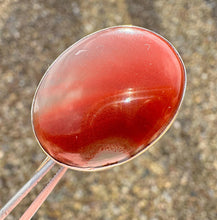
(108, 97)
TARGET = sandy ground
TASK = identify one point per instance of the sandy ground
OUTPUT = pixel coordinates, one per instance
(175, 179)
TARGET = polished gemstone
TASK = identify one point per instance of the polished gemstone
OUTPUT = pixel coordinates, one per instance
(108, 97)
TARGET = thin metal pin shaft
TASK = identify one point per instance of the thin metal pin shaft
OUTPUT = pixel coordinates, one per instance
(32, 209)
(17, 198)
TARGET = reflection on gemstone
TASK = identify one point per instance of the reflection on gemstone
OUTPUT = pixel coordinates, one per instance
(108, 157)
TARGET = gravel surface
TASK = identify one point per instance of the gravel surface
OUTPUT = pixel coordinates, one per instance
(175, 179)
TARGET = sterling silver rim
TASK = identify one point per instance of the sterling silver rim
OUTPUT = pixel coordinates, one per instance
(91, 169)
